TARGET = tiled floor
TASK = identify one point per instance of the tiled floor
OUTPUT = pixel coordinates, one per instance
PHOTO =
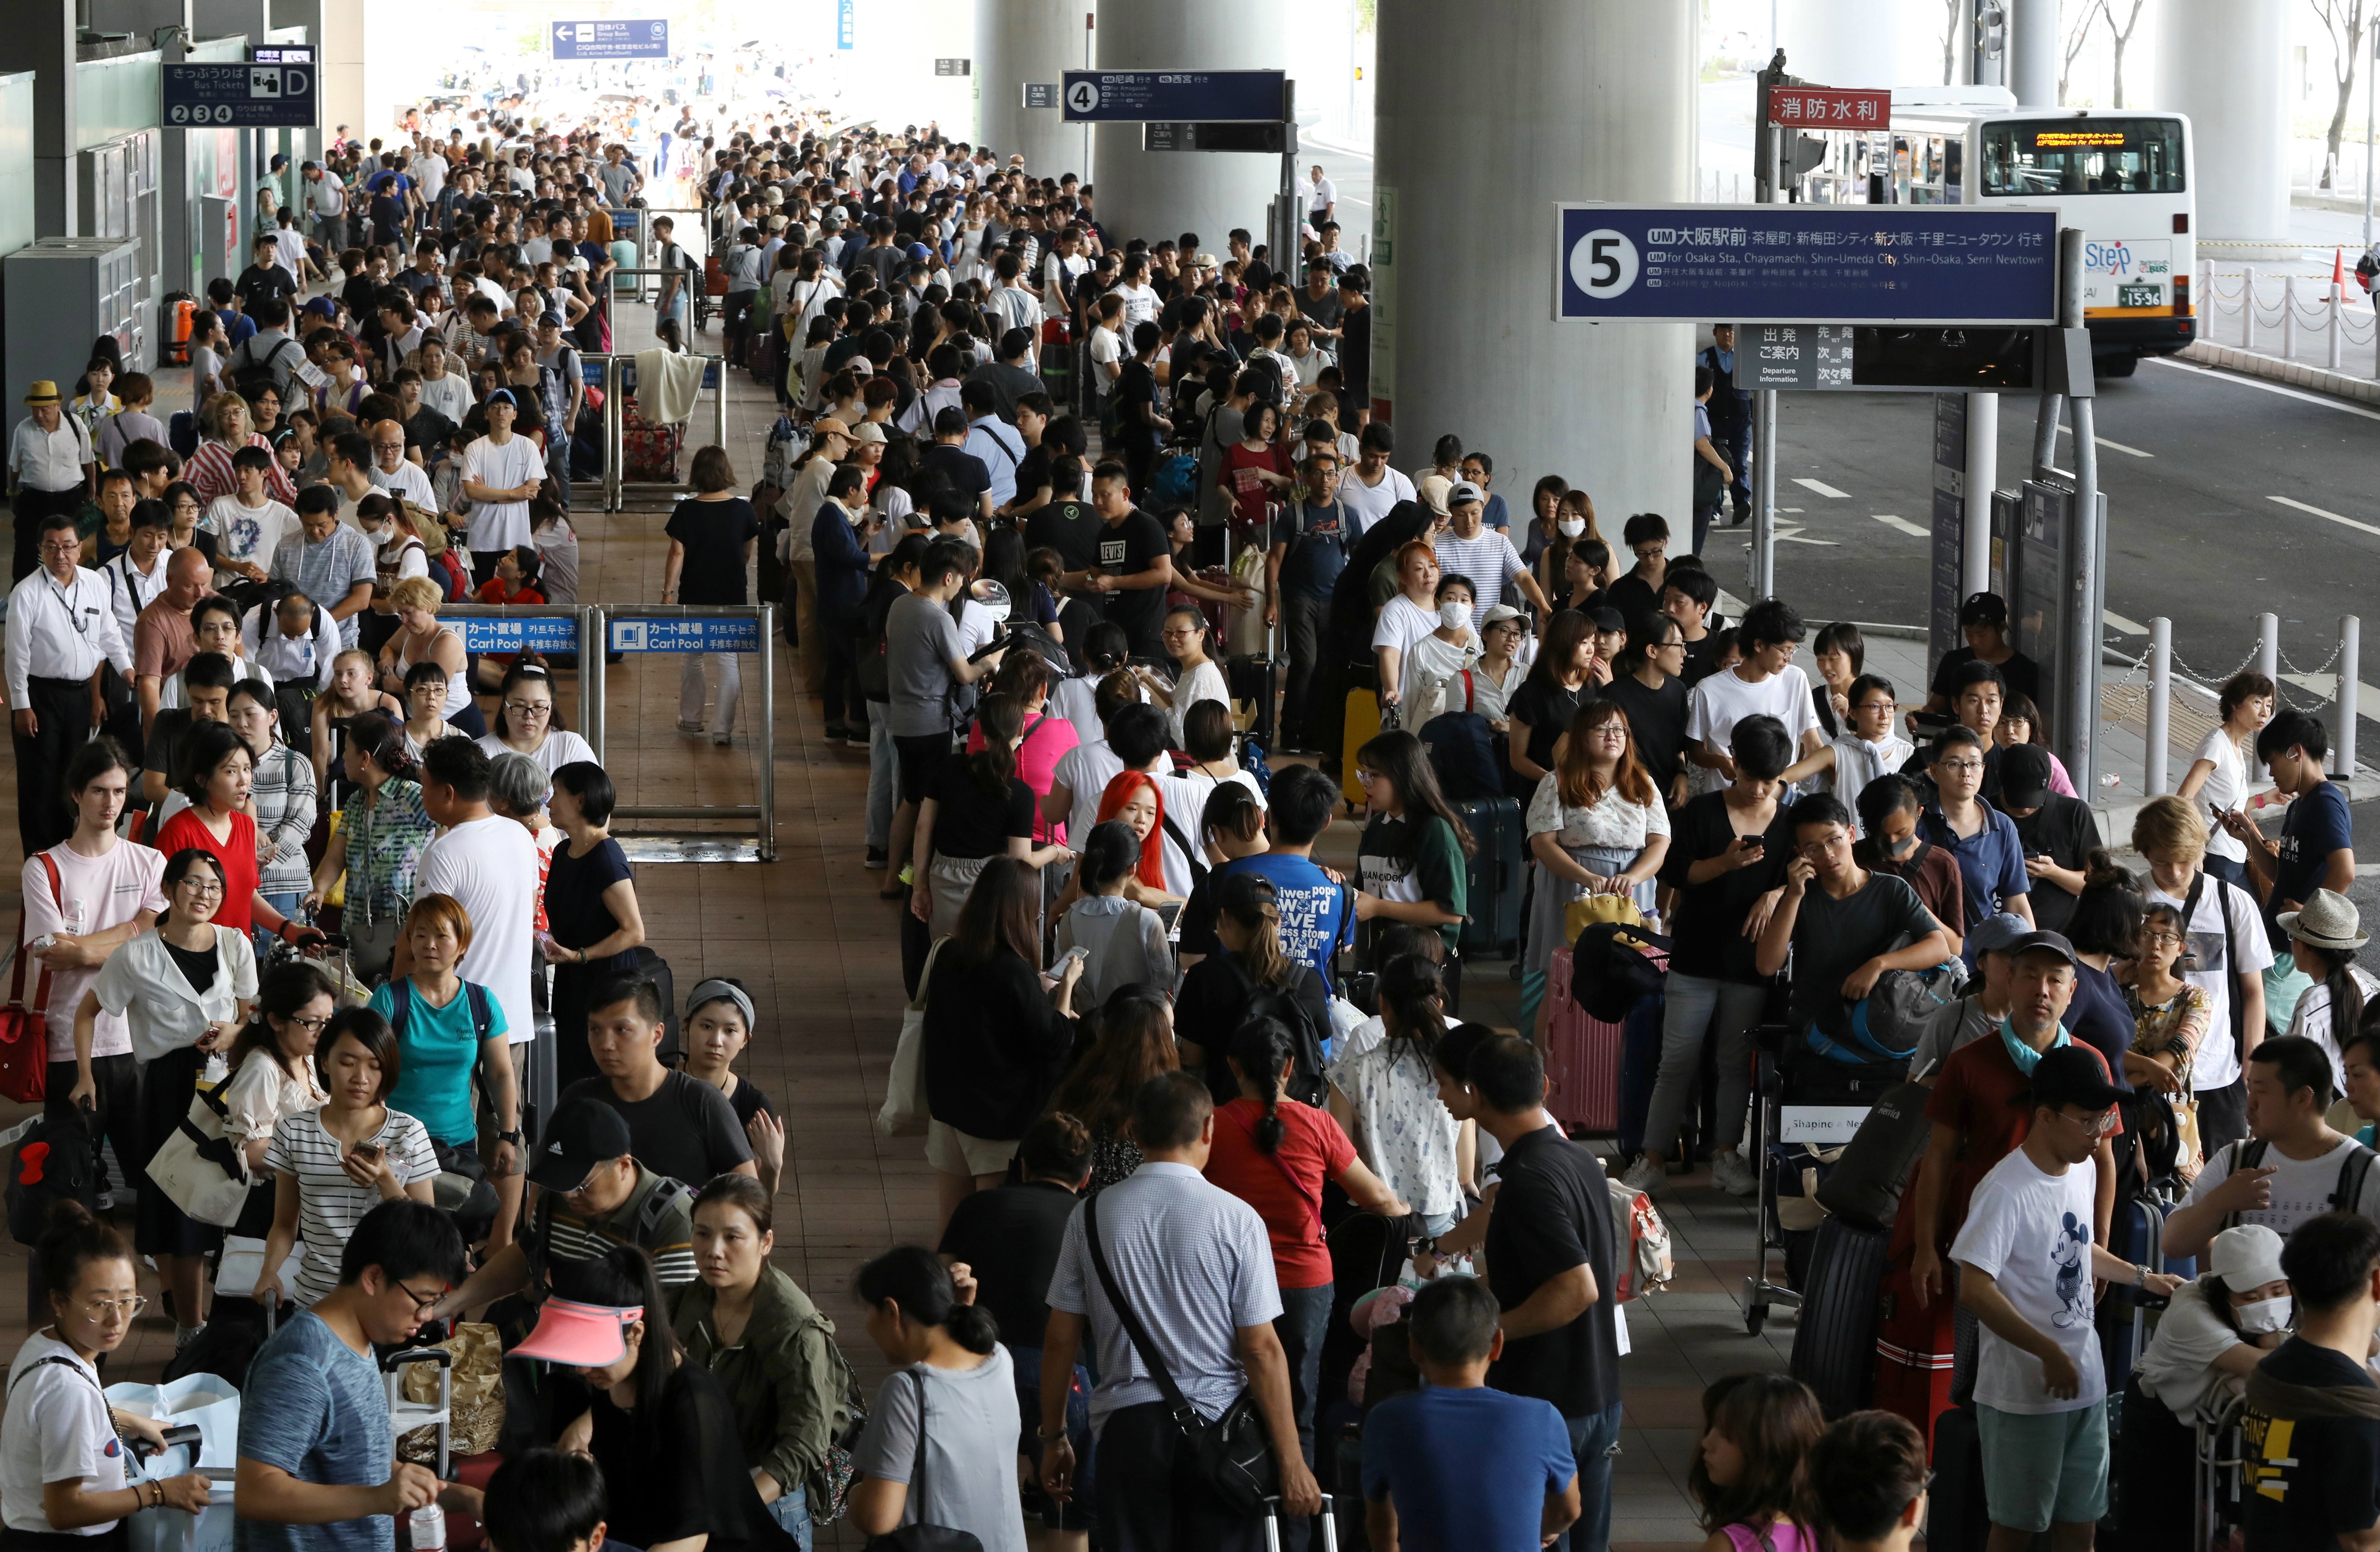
(818, 951)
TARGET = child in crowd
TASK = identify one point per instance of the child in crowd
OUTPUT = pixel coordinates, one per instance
(1757, 1427)
(1866, 1480)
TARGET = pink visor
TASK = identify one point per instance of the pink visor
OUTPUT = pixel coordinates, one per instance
(585, 1335)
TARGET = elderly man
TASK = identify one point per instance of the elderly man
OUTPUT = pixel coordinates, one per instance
(60, 628)
(163, 641)
(50, 465)
(393, 472)
(330, 563)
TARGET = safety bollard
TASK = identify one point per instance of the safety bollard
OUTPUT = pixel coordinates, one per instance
(2343, 714)
(2247, 307)
(2335, 299)
(2160, 726)
(2289, 318)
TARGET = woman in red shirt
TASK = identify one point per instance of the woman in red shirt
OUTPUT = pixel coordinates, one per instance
(1274, 1153)
(1254, 471)
(216, 770)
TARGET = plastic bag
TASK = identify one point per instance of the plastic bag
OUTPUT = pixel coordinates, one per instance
(210, 1404)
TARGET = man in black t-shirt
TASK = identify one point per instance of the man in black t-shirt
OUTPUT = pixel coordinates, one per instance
(946, 461)
(680, 1126)
(1135, 562)
(1550, 1259)
(2058, 833)
(1982, 622)
(264, 281)
(2311, 1429)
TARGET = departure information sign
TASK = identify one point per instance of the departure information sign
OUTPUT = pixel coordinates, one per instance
(1807, 263)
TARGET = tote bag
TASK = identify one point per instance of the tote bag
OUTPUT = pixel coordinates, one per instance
(904, 1111)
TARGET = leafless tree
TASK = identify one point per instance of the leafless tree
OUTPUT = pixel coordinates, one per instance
(2123, 36)
(2078, 38)
(2346, 22)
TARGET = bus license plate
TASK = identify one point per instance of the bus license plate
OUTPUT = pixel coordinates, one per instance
(2140, 295)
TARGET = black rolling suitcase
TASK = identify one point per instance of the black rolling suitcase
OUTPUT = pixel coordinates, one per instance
(1256, 678)
(1834, 1346)
(1493, 890)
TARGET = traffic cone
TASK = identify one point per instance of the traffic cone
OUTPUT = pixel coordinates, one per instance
(2338, 272)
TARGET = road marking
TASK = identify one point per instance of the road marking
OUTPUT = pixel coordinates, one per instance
(1820, 487)
(2122, 626)
(1903, 524)
(2064, 429)
(2367, 698)
(2347, 522)
(1793, 509)
(1790, 533)
(2267, 387)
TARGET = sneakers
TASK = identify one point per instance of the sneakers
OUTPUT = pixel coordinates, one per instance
(875, 858)
(836, 732)
(1643, 1175)
(685, 726)
(1732, 1174)
(858, 739)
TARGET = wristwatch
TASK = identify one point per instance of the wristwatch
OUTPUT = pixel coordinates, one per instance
(516, 1136)
(2139, 1277)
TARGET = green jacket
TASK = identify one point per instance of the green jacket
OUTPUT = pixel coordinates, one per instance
(787, 1380)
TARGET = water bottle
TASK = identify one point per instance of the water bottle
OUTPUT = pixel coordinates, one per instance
(428, 1527)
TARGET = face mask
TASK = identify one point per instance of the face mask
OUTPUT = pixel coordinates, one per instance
(1454, 613)
(382, 534)
(1571, 527)
(2265, 1315)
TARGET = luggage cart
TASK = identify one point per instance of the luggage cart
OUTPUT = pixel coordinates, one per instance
(2220, 1459)
(1767, 1103)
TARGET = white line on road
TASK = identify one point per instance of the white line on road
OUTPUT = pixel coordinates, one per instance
(2122, 626)
(2118, 446)
(1903, 524)
(2318, 512)
(2267, 387)
(1820, 487)
(1789, 509)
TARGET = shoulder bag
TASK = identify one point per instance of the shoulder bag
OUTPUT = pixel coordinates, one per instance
(922, 1537)
(1231, 1455)
(904, 1112)
(25, 1032)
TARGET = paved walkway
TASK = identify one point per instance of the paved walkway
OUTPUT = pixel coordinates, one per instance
(819, 953)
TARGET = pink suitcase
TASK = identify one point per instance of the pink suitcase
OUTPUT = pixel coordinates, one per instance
(1582, 1056)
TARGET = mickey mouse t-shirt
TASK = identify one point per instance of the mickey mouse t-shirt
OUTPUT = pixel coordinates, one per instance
(2029, 1232)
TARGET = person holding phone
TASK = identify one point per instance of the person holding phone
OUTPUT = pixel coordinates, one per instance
(2218, 770)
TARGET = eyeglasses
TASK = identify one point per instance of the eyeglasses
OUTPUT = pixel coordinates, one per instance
(206, 888)
(311, 1025)
(62, 547)
(1964, 768)
(1873, 705)
(529, 707)
(422, 1303)
(2167, 940)
(1366, 778)
(100, 1309)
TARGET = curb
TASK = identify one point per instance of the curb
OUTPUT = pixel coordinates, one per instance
(2319, 379)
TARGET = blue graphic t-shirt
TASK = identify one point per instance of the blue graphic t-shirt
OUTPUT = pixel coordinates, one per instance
(1317, 916)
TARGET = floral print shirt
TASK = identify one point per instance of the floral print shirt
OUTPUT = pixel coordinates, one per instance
(1406, 1137)
(384, 842)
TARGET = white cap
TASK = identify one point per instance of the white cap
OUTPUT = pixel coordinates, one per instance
(2245, 1257)
(1464, 491)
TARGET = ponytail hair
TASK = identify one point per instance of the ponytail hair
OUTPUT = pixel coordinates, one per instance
(914, 1278)
(1110, 852)
(72, 1239)
(1412, 997)
(1000, 718)
(1259, 1051)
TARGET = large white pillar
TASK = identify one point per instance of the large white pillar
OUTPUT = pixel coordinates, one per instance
(40, 36)
(1022, 41)
(1488, 112)
(2034, 46)
(1842, 43)
(1162, 194)
(2224, 63)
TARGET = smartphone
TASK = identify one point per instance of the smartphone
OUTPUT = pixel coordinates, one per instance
(1069, 957)
(368, 1152)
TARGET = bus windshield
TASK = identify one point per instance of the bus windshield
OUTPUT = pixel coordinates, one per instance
(2083, 156)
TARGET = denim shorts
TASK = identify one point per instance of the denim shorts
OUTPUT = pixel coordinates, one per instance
(2044, 1467)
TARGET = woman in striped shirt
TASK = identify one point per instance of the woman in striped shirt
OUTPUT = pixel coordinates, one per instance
(230, 427)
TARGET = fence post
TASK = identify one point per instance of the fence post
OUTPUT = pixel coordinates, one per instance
(615, 442)
(2160, 727)
(2289, 318)
(591, 687)
(2333, 352)
(718, 407)
(2247, 307)
(2342, 735)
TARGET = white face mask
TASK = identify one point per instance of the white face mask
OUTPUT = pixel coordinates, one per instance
(382, 534)
(2265, 1315)
(1454, 613)
(1571, 527)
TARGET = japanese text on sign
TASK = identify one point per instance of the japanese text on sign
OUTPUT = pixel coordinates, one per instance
(482, 633)
(724, 634)
(1797, 355)
(1826, 107)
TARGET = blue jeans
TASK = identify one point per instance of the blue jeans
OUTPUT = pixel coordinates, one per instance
(287, 906)
(1594, 1441)
(1304, 1320)
(792, 1510)
(883, 783)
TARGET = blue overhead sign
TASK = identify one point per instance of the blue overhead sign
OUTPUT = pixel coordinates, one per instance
(663, 634)
(842, 23)
(1200, 96)
(611, 40)
(484, 633)
(267, 96)
(1938, 264)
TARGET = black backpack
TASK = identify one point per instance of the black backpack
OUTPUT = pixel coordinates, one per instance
(1461, 749)
(1306, 1085)
(1609, 972)
(252, 377)
(53, 1161)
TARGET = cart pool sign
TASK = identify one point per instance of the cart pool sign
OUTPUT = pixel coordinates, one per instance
(703, 634)
(1807, 263)
(611, 40)
(490, 633)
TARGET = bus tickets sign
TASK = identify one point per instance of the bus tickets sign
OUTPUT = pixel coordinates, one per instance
(1937, 264)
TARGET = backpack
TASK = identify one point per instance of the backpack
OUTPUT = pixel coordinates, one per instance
(1610, 971)
(482, 1006)
(1306, 1084)
(253, 377)
(53, 1161)
(1885, 1025)
(182, 433)
(428, 524)
(1648, 1265)
(1175, 482)
(446, 570)
(2346, 1196)
(1461, 748)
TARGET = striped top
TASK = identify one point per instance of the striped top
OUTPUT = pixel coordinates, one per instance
(329, 1203)
(658, 1215)
(209, 471)
(1195, 1265)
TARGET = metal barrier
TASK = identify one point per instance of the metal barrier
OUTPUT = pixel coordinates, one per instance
(490, 628)
(619, 381)
(2343, 692)
(677, 629)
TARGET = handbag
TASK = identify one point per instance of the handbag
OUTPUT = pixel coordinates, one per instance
(198, 1166)
(904, 1112)
(1231, 1455)
(1589, 909)
(25, 1032)
(922, 1537)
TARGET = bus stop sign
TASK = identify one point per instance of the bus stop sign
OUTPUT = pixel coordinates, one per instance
(1918, 264)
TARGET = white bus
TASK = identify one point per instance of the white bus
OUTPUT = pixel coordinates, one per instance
(2124, 178)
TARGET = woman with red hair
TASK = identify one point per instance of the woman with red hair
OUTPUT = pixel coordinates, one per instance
(1133, 797)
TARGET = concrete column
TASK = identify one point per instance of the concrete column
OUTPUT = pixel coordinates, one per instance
(1163, 194)
(2034, 47)
(340, 54)
(1842, 43)
(1488, 112)
(2224, 63)
(1021, 41)
(40, 37)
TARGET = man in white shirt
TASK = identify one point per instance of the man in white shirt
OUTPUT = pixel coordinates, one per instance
(1064, 265)
(489, 865)
(61, 626)
(391, 471)
(1321, 198)
(1372, 488)
(135, 577)
(500, 472)
(2292, 1165)
(1469, 549)
(50, 466)
(1765, 683)
(2230, 951)
(1139, 296)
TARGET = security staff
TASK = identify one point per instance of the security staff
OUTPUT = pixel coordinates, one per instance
(61, 625)
(1730, 414)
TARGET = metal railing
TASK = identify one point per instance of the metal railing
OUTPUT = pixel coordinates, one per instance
(629, 628)
(2341, 673)
(2340, 319)
(619, 381)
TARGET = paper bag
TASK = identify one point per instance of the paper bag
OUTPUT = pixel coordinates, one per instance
(475, 1410)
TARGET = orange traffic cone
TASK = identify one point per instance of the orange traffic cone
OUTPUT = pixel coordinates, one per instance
(2338, 272)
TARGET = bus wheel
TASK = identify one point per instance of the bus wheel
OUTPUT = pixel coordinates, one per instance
(2120, 365)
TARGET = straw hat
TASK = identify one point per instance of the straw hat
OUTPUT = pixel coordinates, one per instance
(44, 392)
(2327, 921)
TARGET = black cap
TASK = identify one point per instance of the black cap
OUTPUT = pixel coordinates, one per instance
(1240, 890)
(1983, 609)
(582, 1134)
(2025, 776)
(2072, 1076)
(1606, 619)
(2044, 942)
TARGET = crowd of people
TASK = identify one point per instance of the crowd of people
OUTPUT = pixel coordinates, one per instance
(1092, 544)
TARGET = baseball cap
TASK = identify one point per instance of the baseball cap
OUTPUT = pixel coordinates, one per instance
(1998, 933)
(2045, 942)
(1606, 619)
(1240, 891)
(2071, 1076)
(323, 306)
(1983, 609)
(1498, 613)
(826, 426)
(2246, 1256)
(2025, 776)
(1432, 489)
(867, 430)
(1465, 490)
(582, 1134)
